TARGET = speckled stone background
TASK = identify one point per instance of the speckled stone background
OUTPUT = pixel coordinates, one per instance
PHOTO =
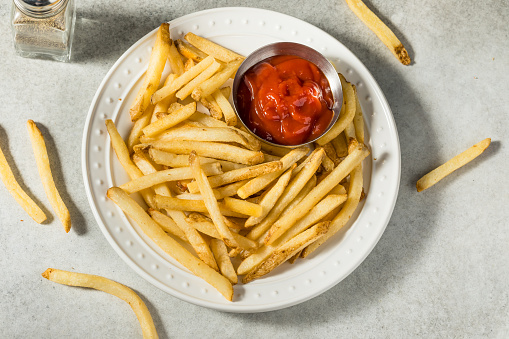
(440, 269)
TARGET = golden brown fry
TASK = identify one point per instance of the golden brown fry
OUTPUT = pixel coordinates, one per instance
(287, 250)
(269, 200)
(208, 87)
(210, 201)
(175, 60)
(188, 64)
(185, 91)
(327, 163)
(229, 114)
(453, 164)
(109, 286)
(210, 48)
(167, 224)
(226, 91)
(43, 165)
(358, 120)
(168, 244)
(239, 174)
(139, 125)
(334, 178)
(169, 121)
(181, 160)
(213, 150)
(172, 174)
(331, 153)
(257, 184)
(176, 204)
(190, 52)
(243, 207)
(380, 29)
(225, 264)
(339, 144)
(18, 193)
(214, 109)
(163, 105)
(156, 65)
(183, 79)
(346, 116)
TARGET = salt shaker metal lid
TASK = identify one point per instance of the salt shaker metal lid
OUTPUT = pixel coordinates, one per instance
(40, 8)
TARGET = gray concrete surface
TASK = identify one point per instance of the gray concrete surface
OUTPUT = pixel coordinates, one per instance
(439, 271)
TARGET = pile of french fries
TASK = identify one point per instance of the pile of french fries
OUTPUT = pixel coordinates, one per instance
(212, 186)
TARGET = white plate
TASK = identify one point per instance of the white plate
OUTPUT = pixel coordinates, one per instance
(243, 30)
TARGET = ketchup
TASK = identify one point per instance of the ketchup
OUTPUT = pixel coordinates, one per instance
(285, 100)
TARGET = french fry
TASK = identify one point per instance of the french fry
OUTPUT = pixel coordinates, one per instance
(324, 207)
(317, 193)
(339, 144)
(111, 287)
(185, 91)
(354, 193)
(43, 165)
(183, 79)
(177, 204)
(189, 51)
(346, 116)
(239, 174)
(225, 265)
(18, 193)
(206, 226)
(212, 150)
(167, 224)
(229, 114)
(243, 207)
(226, 91)
(146, 167)
(156, 65)
(211, 122)
(274, 150)
(123, 157)
(173, 174)
(380, 29)
(453, 164)
(257, 184)
(270, 199)
(291, 191)
(210, 48)
(358, 120)
(210, 201)
(214, 109)
(331, 153)
(168, 244)
(287, 250)
(180, 160)
(163, 105)
(327, 163)
(137, 130)
(171, 120)
(208, 87)
(219, 192)
(214, 134)
(188, 64)
(175, 60)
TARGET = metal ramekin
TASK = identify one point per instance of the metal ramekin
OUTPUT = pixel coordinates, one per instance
(305, 52)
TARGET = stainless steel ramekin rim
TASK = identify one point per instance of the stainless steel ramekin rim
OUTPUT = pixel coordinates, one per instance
(305, 52)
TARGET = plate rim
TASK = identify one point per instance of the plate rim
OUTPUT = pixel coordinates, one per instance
(209, 304)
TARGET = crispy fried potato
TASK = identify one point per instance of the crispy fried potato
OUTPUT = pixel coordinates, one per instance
(239, 174)
(175, 60)
(345, 117)
(109, 286)
(185, 91)
(167, 224)
(169, 121)
(181, 160)
(450, 166)
(225, 264)
(210, 201)
(168, 244)
(243, 207)
(156, 65)
(43, 165)
(339, 144)
(211, 85)
(229, 114)
(380, 29)
(18, 193)
(190, 52)
(210, 48)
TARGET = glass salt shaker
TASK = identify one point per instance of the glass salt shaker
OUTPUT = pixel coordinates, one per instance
(43, 28)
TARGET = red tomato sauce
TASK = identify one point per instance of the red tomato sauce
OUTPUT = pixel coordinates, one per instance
(285, 100)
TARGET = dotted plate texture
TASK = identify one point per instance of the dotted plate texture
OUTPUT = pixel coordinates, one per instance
(243, 30)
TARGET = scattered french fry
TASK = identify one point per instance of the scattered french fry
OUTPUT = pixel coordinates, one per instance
(243, 207)
(225, 264)
(43, 165)
(453, 164)
(210, 48)
(109, 286)
(18, 193)
(380, 29)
